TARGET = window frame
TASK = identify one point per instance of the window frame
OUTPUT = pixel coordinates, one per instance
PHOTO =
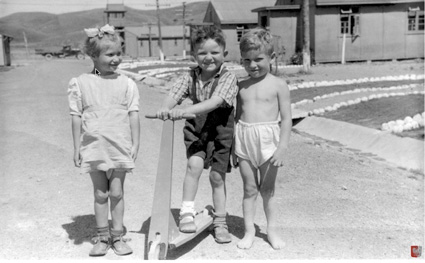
(240, 30)
(349, 21)
(417, 16)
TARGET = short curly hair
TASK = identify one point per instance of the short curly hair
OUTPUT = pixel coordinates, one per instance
(203, 33)
(257, 39)
(94, 45)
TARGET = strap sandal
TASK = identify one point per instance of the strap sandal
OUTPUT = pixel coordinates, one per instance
(221, 234)
(221, 230)
(101, 246)
(187, 226)
(120, 246)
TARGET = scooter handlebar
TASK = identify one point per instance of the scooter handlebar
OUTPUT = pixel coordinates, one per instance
(185, 116)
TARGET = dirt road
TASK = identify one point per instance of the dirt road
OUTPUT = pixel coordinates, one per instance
(334, 202)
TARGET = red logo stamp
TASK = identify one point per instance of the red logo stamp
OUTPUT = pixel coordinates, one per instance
(415, 251)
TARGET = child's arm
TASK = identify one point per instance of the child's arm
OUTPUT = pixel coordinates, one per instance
(284, 103)
(199, 108)
(76, 133)
(225, 91)
(168, 103)
(135, 133)
(235, 161)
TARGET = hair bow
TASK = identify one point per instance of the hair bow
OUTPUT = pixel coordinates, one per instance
(106, 29)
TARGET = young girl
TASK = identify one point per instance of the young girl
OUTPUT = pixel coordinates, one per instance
(105, 126)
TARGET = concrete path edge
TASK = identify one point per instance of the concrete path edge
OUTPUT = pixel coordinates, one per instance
(404, 152)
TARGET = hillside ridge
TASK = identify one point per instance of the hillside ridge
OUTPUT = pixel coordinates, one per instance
(46, 29)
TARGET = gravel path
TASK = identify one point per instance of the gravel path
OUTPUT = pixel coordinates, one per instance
(335, 202)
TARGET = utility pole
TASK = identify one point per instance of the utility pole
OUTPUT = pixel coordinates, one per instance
(306, 36)
(183, 13)
(161, 54)
(150, 39)
(26, 43)
(184, 30)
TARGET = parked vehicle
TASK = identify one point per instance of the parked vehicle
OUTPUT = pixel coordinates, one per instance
(66, 51)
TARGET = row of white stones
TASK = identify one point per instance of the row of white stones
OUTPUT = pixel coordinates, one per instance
(136, 64)
(161, 72)
(336, 106)
(153, 72)
(330, 95)
(312, 84)
(407, 124)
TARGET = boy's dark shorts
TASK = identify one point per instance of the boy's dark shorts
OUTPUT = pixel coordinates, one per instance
(210, 137)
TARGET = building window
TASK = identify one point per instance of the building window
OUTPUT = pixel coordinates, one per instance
(240, 30)
(175, 42)
(117, 15)
(264, 21)
(415, 18)
(350, 21)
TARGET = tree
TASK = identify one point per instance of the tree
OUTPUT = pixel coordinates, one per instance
(306, 35)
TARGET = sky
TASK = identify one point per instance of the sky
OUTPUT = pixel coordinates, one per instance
(8, 7)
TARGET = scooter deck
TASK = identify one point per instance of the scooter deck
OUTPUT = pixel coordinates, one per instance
(202, 221)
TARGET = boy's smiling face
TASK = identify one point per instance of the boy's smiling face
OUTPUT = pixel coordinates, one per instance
(210, 56)
(256, 62)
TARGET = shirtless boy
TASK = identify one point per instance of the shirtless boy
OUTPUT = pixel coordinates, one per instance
(261, 138)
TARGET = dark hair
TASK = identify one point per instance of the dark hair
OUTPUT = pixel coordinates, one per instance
(203, 33)
(257, 39)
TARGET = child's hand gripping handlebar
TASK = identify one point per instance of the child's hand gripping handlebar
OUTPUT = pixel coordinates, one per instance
(185, 116)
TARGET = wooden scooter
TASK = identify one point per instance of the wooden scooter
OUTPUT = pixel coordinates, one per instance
(164, 233)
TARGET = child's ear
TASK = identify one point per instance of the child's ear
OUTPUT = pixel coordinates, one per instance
(225, 53)
(273, 57)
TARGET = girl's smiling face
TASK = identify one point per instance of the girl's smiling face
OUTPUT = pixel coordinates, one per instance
(109, 58)
(256, 62)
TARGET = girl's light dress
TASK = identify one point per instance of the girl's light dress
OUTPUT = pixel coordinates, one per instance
(103, 104)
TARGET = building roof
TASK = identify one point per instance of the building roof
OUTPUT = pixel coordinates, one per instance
(166, 31)
(362, 2)
(277, 7)
(238, 11)
(115, 8)
(6, 36)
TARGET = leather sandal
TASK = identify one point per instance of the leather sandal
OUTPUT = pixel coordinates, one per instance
(187, 227)
(221, 230)
(101, 246)
(120, 247)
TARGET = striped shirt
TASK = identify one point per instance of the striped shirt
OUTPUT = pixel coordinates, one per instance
(226, 88)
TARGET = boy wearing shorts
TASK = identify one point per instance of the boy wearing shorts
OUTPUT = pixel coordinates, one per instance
(208, 137)
(261, 139)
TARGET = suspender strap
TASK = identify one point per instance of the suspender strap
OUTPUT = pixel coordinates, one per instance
(214, 85)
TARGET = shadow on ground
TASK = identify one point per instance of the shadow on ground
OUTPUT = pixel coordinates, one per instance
(236, 228)
(82, 229)
(176, 252)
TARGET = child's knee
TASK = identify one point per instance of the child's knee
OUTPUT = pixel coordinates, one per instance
(250, 191)
(217, 179)
(116, 195)
(267, 191)
(101, 197)
(195, 166)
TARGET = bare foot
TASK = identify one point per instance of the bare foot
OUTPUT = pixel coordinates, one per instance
(275, 240)
(246, 241)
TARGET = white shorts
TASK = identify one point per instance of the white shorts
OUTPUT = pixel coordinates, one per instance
(256, 142)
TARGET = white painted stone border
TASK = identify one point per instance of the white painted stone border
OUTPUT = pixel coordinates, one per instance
(336, 106)
(312, 84)
(407, 124)
(331, 95)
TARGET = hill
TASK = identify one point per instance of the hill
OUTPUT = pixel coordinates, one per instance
(45, 29)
